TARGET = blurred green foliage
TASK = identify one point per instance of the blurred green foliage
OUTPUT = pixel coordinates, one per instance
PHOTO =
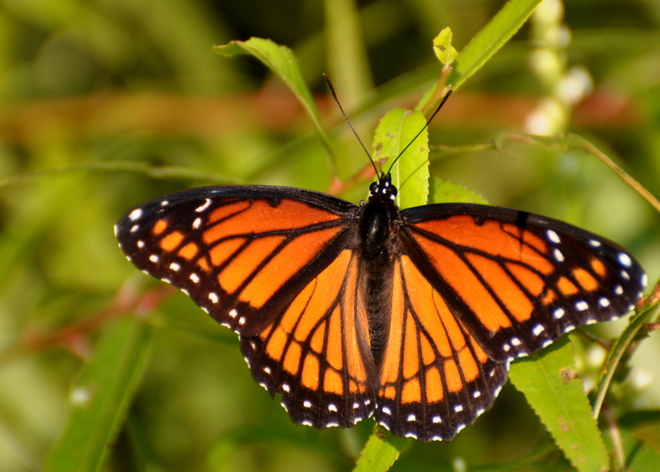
(107, 103)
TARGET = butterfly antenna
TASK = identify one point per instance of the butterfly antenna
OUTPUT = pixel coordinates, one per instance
(426, 125)
(350, 125)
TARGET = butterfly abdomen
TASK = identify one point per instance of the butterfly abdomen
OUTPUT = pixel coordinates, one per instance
(377, 259)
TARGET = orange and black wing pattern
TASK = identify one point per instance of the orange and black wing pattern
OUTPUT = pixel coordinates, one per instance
(518, 281)
(351, 311)
(476, 286)
(316, 353)
(277, 266)
(435, 379)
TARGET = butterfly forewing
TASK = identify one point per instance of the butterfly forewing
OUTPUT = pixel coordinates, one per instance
(518, 281)
(239, 252)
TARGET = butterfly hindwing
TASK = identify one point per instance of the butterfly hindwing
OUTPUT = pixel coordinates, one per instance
(316, 353)
(518, 281)
(435, 379)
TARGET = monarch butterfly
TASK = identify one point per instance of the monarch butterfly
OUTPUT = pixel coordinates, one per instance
(350, 311)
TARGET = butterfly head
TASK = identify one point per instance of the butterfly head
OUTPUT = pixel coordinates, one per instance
(383, 189)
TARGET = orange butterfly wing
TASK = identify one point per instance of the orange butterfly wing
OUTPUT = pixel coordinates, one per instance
(279, 267)
(435, 379)
(317, 352)
(518, 281)
(476, 286)
(241, 253)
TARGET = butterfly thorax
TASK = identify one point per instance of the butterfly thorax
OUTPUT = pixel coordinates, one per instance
(376, 231)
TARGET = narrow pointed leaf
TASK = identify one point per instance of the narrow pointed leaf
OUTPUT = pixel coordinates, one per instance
(99, 399)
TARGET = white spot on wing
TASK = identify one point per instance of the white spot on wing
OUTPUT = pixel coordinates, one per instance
(203, 206)
(411, 417)
(213, 297)
(386, 410)
(581, 305)
(194, 277)
(140, 244)
(175, 266)
(594, 243)
(604, 302)
(559, 257)
(538, 329)
(436, 419)
(558, 313)
(135, 214)
(197, 223)
(332, 407)
(307, 404)
(624, 259)
(154, 258)
(553, 237)
(233, 313)
(458, 408)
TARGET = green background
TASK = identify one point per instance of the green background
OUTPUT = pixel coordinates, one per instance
(105, 103)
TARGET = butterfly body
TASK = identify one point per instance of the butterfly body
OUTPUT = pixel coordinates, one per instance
(349, 311)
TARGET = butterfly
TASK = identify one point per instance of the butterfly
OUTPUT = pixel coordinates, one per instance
(350, 311)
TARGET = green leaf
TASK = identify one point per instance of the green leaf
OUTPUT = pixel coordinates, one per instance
(380, 452)
(490, 39)
(99, 399)
(410, 173)
(551, 386)
(442, 45)
(282, 61)
(443, 191)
